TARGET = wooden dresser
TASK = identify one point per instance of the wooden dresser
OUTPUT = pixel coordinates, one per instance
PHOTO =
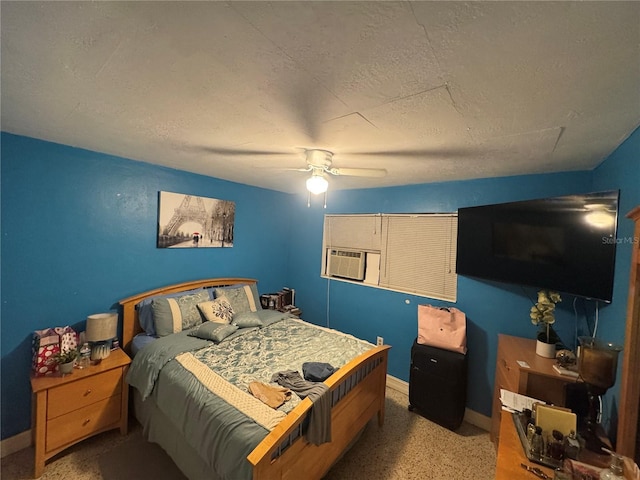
(539, 380)
(629, 421)
(68, 409)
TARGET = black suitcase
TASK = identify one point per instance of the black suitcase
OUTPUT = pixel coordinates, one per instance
(438, 384)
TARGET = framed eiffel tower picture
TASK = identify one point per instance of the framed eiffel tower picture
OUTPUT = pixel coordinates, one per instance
(187, 221)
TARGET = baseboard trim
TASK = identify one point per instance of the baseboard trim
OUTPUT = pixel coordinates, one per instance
(470, 416)
(398, 385)
(15, 444)
(477, 419)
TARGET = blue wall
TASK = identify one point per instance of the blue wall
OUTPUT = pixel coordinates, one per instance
(79, 233)
(491, 308)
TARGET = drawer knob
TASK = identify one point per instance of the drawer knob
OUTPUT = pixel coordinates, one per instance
(86, 422)
(87, 392)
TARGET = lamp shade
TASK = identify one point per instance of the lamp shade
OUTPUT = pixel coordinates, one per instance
(317, 184)
(101, 327)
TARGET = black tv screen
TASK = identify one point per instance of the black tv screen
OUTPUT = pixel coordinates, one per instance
(567, 244)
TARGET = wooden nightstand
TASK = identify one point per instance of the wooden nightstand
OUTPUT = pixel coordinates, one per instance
(69, 409)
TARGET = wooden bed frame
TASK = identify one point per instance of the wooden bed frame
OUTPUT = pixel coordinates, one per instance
(357, 389)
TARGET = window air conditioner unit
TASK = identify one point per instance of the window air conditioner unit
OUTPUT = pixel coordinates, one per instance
(347, 264)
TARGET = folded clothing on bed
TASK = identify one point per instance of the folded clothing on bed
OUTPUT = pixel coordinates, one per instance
(319, 430)
(270, 395)
(317, 371)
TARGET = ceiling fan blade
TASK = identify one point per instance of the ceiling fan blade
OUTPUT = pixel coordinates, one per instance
(358, 172)
(422, 152)
(241, 151)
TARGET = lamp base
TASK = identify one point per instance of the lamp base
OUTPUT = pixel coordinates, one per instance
(100, 350)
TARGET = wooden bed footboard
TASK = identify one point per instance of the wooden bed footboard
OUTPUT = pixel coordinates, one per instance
(357, 395)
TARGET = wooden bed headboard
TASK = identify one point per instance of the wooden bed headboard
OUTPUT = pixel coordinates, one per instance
(130, 324)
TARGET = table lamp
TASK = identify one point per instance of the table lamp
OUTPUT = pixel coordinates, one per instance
(100, 332)
(597, 365)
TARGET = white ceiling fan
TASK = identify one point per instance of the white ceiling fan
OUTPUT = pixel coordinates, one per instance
(319, 163)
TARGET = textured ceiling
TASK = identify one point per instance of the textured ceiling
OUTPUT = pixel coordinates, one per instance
(430, 91)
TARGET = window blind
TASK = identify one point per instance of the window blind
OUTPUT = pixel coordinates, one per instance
(358, 232)
(418, 252)
(420, 255)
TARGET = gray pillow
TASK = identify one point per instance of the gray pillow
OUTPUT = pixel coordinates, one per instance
(213, 331)
(171, 315)
(267, 317)
(246, 319)
(145, 312)
(241, 298)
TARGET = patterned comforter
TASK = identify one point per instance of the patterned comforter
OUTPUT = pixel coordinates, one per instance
(202, 386)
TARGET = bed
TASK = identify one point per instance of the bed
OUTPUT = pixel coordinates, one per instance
(278, 448)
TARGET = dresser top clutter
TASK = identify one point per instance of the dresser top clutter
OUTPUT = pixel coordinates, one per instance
(520, 370)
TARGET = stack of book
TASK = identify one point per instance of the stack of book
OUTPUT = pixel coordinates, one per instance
(283, 300)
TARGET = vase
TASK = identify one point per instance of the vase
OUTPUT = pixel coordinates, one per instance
(546, 350)
(66, 368)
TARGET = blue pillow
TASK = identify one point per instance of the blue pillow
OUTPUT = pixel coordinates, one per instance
(145, 313)
(213, 331)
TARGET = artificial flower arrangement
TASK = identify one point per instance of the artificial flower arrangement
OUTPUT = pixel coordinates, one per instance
(542, 313)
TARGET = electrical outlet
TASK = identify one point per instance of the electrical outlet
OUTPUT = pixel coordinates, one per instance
(379, 341)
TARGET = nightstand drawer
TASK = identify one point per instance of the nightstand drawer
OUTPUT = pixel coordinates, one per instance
(82, 422)
(72, 396)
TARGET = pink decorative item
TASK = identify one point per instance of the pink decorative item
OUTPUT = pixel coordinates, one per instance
(442, 327)
(45, 344)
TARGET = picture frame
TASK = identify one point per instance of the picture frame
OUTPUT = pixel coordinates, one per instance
(190, 221)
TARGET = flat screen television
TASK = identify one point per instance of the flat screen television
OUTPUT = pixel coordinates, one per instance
(567, 244)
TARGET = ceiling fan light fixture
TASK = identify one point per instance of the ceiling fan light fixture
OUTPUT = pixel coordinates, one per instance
(316, 183)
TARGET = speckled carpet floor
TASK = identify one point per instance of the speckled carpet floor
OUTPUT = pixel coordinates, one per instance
(407, 447)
